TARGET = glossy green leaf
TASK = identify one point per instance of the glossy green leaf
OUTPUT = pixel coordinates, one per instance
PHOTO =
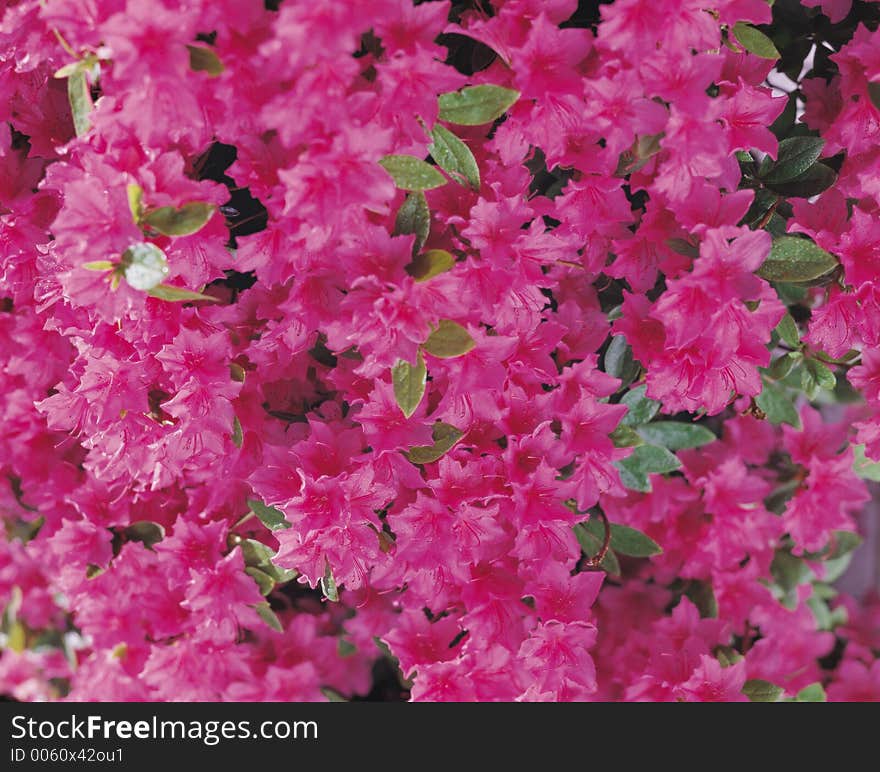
(409, 384)
(754, 41)
(444, 435)
(476, 105)
(430, 264)
(625, 540)
(758, 690)
(414, 217)
(676, 435)
(796, 155)
(178, 294)
(203, 59)
(455, 157)
(777, 405)
(818, 178)
(782, 366)
(411, 173)
(795, 259)
(179, 221)
(641, 408)
(449, 340)
(619, 360)
(645, 460)
(272, 518)
(80, 98)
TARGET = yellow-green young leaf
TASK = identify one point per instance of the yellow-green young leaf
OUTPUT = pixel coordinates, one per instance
(268, 616)
(430, 264)
(816, 376)
(135, 201)
(449, 340)
(203, 59)
(237, 434)
(328, 583)
(625, 437)
(178, 294)
(99, 265)
(414, 217)
(16, 638)
(476, 105)
(795, 259)
(812, 693)
(182, 221)
(455, 157)
(411, 173)
(69, 69)
(332, 695)
(409, 384)
(444, 436)
(754, 41)
(80, 98)
(758, 690)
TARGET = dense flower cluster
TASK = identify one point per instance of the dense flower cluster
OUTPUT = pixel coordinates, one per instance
(509, 350)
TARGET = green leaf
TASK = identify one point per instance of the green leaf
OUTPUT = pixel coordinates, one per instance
(80, 98)
(754, 41)
(135, 201)
(676, 435)
(178, 294)
(272, 518)
(430, 264)
(812, 693)
(258, 555)
(777, 405)
(592, 544)
(625, 437)
(619, 360)
(69, 69)
(449, 340)
(144, 265)
(863, 466)
(701, 594)
(411, 173)
(203, 59)
(332, 695)
(626, 540)
(476, 105)
(796, 155)
(794, 259)
(237, 433)
(788, 331)
(812, 182)
(641, 408)
(268, 616)
(843, 543)
(265, 582)
(146, 532)
(816, 376)
(414, 217)
(444, 436)
(783, 365)
(409, 384)
(789, 571)
(179, 221)
(99, 265)
(328, 583)
(758, 690)
(454, 157)
(645, 460)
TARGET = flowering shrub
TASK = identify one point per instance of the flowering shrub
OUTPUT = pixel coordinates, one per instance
(523, 350)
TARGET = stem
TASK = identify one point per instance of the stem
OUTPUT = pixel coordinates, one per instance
(593, 562)
(768, 214)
